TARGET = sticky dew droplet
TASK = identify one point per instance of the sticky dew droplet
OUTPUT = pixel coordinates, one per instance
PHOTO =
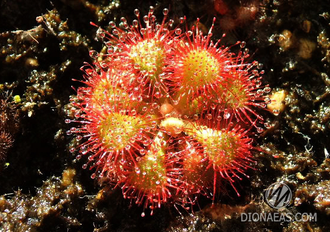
(267, 89)
(157, 95)
(243, 44)
(178, 31)
(115, 32)
(137, 12)
(260, 129)
(276, 112)
(151, 9)
(145, 19)
(112, 24)
(93, 54)
(123, 20)
(267, 125)
(196, 117)
(153, 18)
(165, 11)
(226, 115)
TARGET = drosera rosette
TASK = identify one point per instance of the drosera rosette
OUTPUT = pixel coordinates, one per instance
(166, 114)
(142, 51)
